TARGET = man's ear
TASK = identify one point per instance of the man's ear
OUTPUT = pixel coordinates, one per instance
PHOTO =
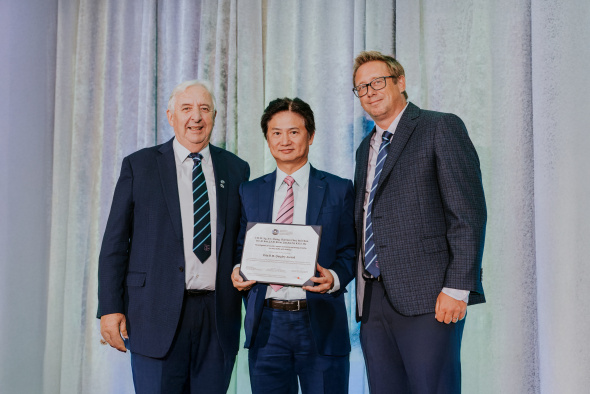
(169, 116)
(401, 83)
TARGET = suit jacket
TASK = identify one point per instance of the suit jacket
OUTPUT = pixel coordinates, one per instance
(330, 204)
(141, 264)
(429, 212)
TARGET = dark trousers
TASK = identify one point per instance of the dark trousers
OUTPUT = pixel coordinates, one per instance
(195, 362)
(284, 350)
(404, 354)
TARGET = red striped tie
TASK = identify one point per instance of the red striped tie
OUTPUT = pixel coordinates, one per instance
(285, 214)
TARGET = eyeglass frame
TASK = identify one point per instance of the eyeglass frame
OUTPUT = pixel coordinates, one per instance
(355, 90)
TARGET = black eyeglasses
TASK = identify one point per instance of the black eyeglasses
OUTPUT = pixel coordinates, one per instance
(377, 84)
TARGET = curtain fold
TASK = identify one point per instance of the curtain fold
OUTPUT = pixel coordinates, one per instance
(117, 64)
(474, 59)
(560, 58)
(103, 113)
(512, 70)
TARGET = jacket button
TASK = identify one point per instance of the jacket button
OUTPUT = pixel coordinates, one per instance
(181, 269)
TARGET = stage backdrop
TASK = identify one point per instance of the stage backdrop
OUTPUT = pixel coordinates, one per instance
(88, 83)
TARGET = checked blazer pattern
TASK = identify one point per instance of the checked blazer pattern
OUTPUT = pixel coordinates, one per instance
(429, 212)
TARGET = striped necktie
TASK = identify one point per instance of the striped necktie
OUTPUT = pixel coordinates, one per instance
(202, 226)
(285, 214)
(371, 262)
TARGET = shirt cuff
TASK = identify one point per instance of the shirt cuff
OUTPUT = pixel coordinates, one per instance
(461, 295)
(336, 282)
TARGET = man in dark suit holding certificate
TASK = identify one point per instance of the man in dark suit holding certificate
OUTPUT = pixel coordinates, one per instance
(299, 332)
(167, 255)
(420, 215)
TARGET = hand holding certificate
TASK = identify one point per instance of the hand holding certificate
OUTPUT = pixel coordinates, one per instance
(280, 253)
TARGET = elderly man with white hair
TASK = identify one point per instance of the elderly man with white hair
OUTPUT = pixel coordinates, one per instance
(165, 264)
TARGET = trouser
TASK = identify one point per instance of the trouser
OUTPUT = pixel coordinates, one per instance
(284, 350)
(408, 354)
(195, 362)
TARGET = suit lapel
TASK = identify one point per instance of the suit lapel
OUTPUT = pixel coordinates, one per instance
(362, 163)
(266, 196)
(315, 196)
(220, 171)
(402, 134)
(167, 169)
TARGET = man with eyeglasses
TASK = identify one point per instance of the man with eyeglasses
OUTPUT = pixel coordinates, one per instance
(420, 216)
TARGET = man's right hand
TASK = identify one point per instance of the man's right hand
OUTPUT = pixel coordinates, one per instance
(239, 282)
(112, 327)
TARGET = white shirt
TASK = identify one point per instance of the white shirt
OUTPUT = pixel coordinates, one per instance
(300, 194)
(462, 295)
(200, 276)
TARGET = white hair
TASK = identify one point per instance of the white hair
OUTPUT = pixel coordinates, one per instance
(180, 88)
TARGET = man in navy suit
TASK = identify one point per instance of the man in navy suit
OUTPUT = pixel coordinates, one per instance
(420, 215)
(167, 255)
(295, 332)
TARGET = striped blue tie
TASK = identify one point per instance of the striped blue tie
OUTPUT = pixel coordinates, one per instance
(202, 227)
(371, 262)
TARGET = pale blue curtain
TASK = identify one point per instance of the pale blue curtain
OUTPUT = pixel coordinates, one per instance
(516, 72)
(85, 83)
(116, 65)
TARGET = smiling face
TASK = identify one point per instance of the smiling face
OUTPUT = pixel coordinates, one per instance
(288, 141)
(193, 118)
(382, 105)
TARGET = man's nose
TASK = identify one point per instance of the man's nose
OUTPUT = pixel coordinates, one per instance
(196, 115)
(285, 140)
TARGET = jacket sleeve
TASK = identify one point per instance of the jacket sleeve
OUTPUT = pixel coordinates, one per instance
(460, 185)
(114, 253)
(344, 263)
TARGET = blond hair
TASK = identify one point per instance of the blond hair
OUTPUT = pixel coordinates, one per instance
(395, 68)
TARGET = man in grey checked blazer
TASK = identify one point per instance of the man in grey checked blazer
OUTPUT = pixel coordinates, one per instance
(421, 211)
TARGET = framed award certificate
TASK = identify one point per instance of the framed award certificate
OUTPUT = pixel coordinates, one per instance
(284, 254)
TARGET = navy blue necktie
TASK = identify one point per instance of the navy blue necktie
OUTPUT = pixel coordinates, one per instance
(371, 262)
(201, 211)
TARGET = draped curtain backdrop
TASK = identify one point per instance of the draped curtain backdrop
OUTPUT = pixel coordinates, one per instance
(87, 83)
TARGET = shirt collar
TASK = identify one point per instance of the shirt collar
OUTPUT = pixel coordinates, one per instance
(181, 153)
(379, 131)
(301, 176)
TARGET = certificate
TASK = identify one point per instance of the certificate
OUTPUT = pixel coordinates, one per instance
(284, 254)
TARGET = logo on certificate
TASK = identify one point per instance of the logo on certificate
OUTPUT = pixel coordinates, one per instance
(275, 231)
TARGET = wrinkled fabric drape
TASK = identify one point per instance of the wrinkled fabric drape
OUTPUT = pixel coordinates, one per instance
(514, 71)
(117, 63)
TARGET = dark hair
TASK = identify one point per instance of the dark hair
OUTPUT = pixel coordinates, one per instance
(295, 105)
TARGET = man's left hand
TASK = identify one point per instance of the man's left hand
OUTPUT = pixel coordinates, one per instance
(448, 309)
(325, 281)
